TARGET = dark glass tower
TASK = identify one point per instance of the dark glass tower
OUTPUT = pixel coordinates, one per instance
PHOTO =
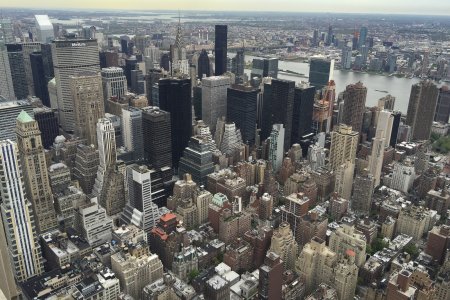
(39, 78)
(156, 128)
(203, 65)
(46, 50)
(395, 125)
(220, 49)
(303, 112)
(319, 72)
(175, 98)
(130, 65)
(48, 125)
(16, 64)
(238, 65)
(165, 61)
(443, 106)
(197, 161)
(241, 109)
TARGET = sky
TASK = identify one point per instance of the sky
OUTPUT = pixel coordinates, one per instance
(440, 7)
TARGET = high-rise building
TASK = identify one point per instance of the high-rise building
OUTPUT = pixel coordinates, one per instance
(354, 105)
(9, 110)
(316, 263)
(203, 68)
(87, 97)
(241, 109)
(413, 221)
(438, 242)
(346, 276)
(376, 157)
(348, 238)
(6, 83)
(284, 245)
(362, 193)
(387, 102)
(294, 210)
(264, 67)
(344, 179)
(344, 143)
(32, 157)
(70, 57)
(114, 82)
(27, 49)
(303, 112)
(442, 113)
(421, 109)
(279, 108)
(175, 98)
(403, 176)
(220, 49)
(156, 130)
(39, 79)
(22, 242)
(132, 132)
(276, 146)
(93, 223)
(330, 36)
(270, 281)
(17, 68)
(48, 125)
(362, 36)
(197, 160)
(214, 99)
(238, 65)
(346, 58)
(45, 32)
(86, 165)
(319, 72)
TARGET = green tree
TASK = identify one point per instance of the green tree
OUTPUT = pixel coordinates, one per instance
(412, 250)
(194, 273)
(377, 245)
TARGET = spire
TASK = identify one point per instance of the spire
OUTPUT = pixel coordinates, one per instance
(178, 39)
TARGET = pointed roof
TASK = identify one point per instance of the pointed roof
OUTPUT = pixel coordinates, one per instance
(178, 39)
(24, 117)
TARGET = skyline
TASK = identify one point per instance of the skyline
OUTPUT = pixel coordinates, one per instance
(432, 7)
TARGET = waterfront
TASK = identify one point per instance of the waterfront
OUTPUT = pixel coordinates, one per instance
(376, 84)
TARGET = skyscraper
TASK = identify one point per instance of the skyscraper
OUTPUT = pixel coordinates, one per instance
(442, 113)
(70, 57)
(354, 105)
(362, 193)
(346, 59)
(6, 84)
(214, 99)
(376, 158)
(203, 65)
(157, 134)
(44, 26)
(238, 65)
(220, 49)
(48, 125)
(279, 108)
(17, 67)
(362, 36)
(9, 110)
(319, 72)
(421, 109)
(197, 160)
(330, 36)
(175, 98)
(32, 158)
(132, 131)
(270, 281)
(303, 112)
(276, 146)
(179, 63)
(241, 109)
(114, 82)
(18, 221)
(87, 95)
(344, 143)
(27, 49)
(39, 79)
(265, 67)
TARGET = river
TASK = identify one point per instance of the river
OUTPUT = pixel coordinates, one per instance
(397, 87)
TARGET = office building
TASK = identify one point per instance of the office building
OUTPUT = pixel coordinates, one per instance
(137, 84)
(270, 281)
(197, 160)
(86, 165)
(114, 83)
(32, 157)
(203, 65)
(214, 99)
(238, 65)
(265, 67)
(70, 57)
(344, 143)
(344, 179)
(387, 102)
(93, 223)
(316, 263)
(319, 72)
(421, 109)
(354, 105)
(156, 129)
(362, 36)
(48, 125)
(17, 68)
(9, 110)
(27, 49)
(44, 27)
(22, 242)
(87, 97)
(348, 238)
(303, 112)
(132, 133)
(39, 79)
(279, 108)
(175, 98)
(442, 113)
(220, 49)
(284, 245)
(362, 193)
(346, 58)
(316, 156)
(293, 211)
(377, 155)
(6, 83)
(241, 109)
(276, 146)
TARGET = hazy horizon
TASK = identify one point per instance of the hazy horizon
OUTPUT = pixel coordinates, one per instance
(421, 7)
